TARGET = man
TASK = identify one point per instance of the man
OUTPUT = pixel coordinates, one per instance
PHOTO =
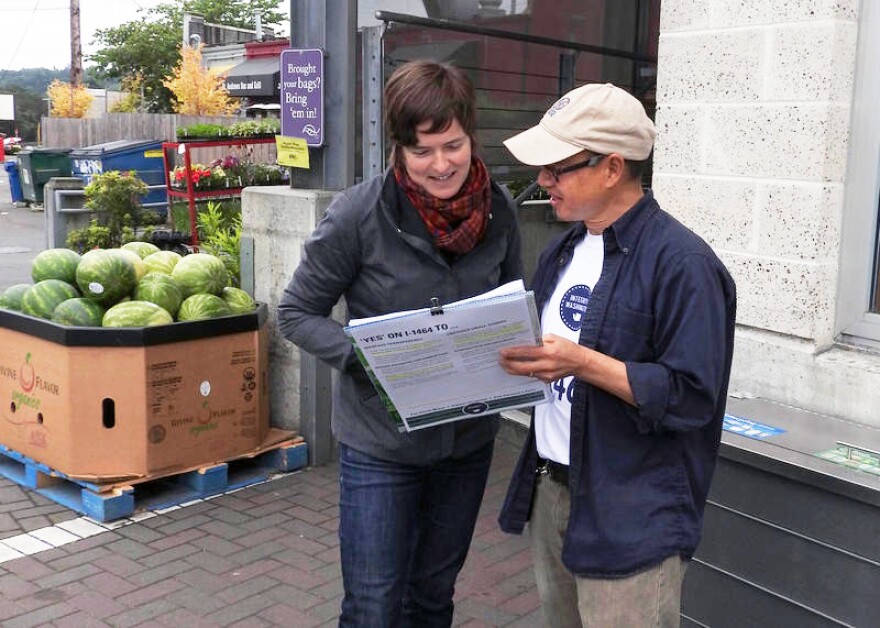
(638, 316)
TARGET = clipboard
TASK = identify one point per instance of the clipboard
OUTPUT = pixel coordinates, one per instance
(440, 364)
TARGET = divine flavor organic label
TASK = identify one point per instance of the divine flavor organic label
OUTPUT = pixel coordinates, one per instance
(24, 407)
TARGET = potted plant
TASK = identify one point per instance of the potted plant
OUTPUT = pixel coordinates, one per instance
(244, 129)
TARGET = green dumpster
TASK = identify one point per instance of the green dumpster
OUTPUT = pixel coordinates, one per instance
(37, 166)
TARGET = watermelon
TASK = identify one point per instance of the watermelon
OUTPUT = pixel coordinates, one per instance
(161, 262)
(55, 264)
(136, 314)
(105, 276)
(239, 301)
(141, 248)
(91, 253)
(159, 289)
(139, 268)
(11, 297)
(201, 306)
(43, 297)
(200, 273)
(79, 312)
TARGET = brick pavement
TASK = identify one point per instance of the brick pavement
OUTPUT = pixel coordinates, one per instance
(22, 510)
(265, 555)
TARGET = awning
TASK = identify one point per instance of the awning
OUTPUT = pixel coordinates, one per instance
(255, 77)
(222, 68)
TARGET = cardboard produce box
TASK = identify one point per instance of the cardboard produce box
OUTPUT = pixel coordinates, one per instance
(110, 404)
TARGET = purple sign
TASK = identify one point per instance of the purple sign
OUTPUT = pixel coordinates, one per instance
(302, 94)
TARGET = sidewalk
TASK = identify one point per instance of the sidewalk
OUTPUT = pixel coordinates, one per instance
(265, 555)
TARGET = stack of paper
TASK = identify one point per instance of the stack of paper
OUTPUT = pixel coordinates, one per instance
(440, 364)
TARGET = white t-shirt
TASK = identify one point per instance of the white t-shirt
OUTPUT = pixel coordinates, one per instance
(562, 316)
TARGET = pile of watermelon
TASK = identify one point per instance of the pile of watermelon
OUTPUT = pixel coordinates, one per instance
(137, 285)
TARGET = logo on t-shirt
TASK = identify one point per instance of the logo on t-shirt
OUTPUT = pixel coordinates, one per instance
(573, 306)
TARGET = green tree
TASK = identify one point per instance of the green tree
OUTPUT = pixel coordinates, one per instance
(238, 13)
(148, 47)
(28, 109)
(144, 48)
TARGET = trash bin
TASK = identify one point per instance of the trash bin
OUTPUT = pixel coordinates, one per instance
(14, 181)
(142, 156)
(37, 165)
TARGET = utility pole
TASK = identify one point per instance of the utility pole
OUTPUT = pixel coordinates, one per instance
(76, 70)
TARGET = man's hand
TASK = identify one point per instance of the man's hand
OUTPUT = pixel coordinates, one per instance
(555, 359)
(558, 358)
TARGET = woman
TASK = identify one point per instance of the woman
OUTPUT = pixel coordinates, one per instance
(433, 225)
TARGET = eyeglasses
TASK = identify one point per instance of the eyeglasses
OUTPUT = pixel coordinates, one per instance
(555, 172)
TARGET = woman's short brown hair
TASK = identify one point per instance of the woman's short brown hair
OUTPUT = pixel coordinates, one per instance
(427, 91)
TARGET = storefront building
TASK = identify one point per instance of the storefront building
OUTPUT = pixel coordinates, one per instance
(768, 148)
(256, 79)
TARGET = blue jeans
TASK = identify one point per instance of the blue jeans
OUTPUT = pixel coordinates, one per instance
(404, 534)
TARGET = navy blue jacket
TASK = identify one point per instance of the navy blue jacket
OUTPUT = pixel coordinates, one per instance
(639, 476)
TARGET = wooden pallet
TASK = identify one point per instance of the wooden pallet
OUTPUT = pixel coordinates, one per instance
(104, 502)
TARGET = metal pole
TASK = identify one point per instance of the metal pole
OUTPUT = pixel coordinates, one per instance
(373, 135)
(331, 26)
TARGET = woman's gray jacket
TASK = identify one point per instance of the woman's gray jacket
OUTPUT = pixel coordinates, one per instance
(373, 248)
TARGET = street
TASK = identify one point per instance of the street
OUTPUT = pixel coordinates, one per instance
(21, 237)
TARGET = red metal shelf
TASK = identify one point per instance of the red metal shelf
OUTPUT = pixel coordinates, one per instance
(206, 193)
(238, 141)
(191, 194)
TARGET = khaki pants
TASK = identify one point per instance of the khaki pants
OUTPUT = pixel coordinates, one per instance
(649, 598)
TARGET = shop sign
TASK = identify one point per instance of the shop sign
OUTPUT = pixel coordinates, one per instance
(302, 94)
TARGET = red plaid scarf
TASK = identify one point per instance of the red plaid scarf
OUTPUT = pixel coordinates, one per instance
(456, 224)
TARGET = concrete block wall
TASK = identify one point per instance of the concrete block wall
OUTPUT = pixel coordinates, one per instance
(753, 117)
(279, 219)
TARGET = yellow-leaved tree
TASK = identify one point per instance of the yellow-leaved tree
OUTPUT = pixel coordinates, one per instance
(197, 90)
(68, 101)
(132, 99)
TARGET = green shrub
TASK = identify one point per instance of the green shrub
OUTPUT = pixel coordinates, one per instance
(114, 198)
(95, 236)
(179, 215)
(220, 235)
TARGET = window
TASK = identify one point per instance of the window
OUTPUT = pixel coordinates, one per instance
(858, 308)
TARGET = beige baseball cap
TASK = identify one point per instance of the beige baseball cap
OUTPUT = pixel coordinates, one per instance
(602, 119)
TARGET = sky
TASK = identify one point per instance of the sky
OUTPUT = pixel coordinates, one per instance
(36, 33)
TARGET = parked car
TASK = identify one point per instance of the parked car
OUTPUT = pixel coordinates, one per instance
(11, 143)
